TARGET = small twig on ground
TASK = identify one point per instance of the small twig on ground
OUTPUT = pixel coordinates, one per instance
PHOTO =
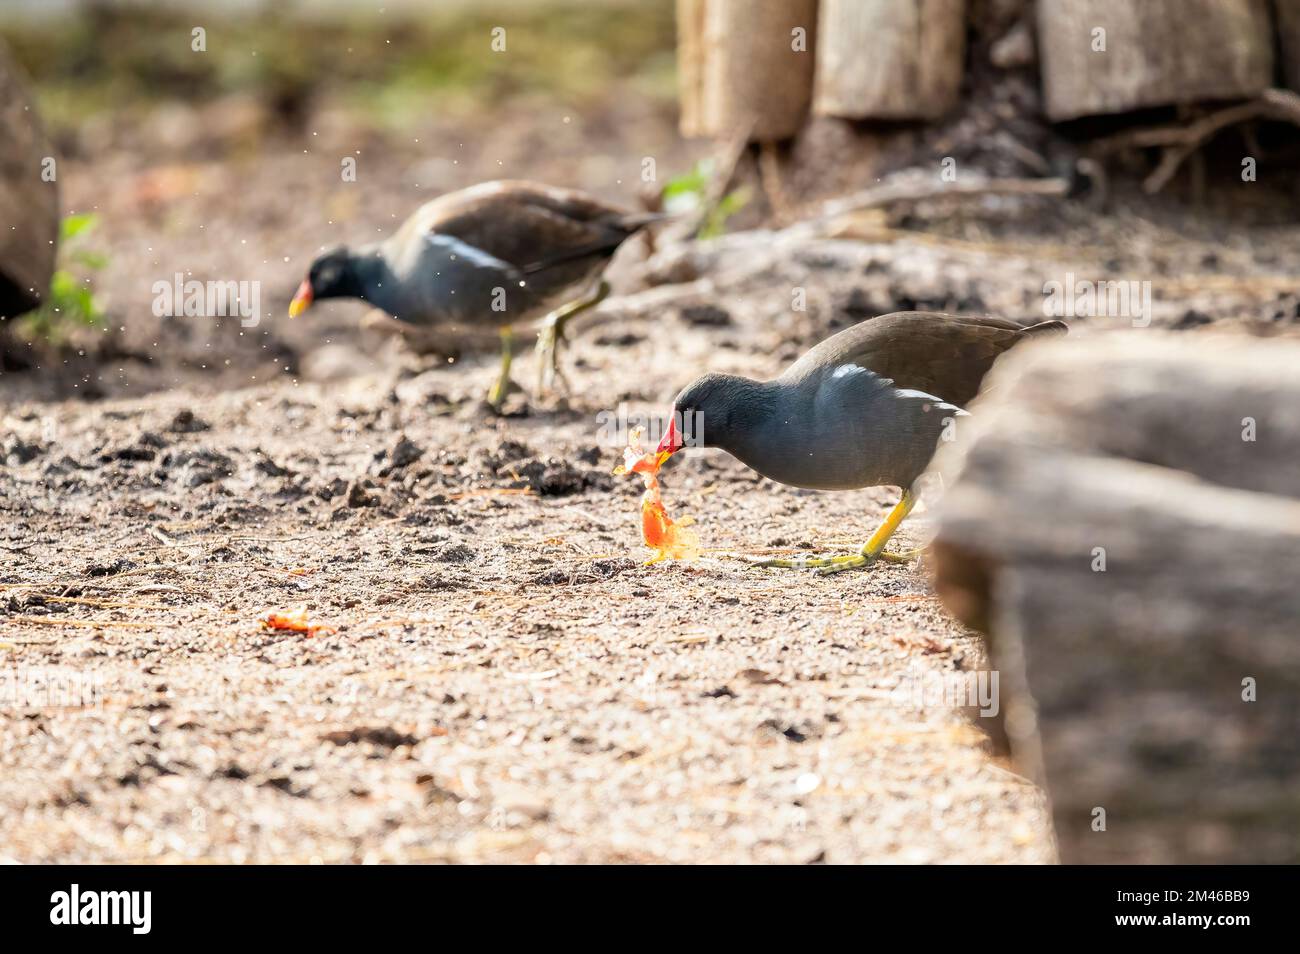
(1179, 141)
(912, 187)
(103, 604)
(769, 176)
(92, 623)
(494, 492)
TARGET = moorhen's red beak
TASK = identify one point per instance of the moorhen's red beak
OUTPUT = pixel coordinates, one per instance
(672, 441)
(301, 299)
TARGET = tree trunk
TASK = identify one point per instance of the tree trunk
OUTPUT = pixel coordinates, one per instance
(1123, 519)
(690, 66)
(29, 205)
(1112, 56)
(746, 67)
(889, 59)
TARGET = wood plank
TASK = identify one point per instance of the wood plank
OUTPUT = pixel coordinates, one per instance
(1157, 53)
(889, 59)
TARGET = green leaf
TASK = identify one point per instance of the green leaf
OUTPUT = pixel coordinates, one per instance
(71, 298)
(62, 285)
(74, 225)
(91, 260)
(695, 182)
(715, 223)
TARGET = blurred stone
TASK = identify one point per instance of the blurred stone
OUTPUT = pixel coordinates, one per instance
(404, 452)
(358, 497)
(333, 363)
(17, 451)
(186, 422)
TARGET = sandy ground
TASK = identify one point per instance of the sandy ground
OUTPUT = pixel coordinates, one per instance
(506, 680)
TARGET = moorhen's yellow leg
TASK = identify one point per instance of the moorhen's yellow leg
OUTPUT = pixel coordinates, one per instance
(552, 335)
(497, 394)
(872, 550)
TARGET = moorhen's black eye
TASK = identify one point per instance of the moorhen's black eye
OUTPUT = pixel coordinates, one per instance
(327, 276)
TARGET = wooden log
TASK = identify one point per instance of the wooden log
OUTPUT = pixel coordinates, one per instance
(1152, 53)
(29, 206)
(889, 59)
(690, 66)
(1287, 24)
(1222, 408)
(1122, 681)
(746, 67)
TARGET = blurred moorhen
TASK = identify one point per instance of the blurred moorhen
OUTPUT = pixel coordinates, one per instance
(501, 252)
(865, 408)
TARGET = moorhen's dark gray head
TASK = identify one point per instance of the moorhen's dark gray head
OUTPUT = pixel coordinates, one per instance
(332, 275)
(714, 411)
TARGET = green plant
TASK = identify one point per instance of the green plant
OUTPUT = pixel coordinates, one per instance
(691, 191)
(70, 301)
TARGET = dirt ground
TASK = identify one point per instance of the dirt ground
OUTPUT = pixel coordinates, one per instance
(507, 681)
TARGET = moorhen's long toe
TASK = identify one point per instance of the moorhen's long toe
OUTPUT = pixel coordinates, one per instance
(865, 408)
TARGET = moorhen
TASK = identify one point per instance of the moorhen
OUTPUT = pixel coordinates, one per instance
(503, 252)
(867, 407)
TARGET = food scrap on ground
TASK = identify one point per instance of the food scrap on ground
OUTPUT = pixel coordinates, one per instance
(671, 540)
(296, 623)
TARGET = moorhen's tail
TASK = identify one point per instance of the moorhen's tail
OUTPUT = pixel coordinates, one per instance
(639, 220)
(621, 230)
(1047, 328)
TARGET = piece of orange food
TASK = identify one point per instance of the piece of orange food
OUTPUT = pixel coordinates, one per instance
(670, 539)
(296, 623)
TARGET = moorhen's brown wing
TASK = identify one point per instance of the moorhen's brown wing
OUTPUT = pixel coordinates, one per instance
(527, 224)
(943, 355)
